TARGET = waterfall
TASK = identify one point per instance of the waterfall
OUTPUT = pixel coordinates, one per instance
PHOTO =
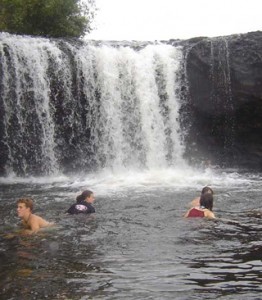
(68, 106)
(221, 93)
(26, 108)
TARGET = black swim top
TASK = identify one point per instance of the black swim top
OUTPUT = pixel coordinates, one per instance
(81, 207)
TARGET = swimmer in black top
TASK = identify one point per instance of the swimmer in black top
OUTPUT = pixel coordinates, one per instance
(83, 204)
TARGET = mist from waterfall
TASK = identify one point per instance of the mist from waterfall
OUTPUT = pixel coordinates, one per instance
(79, 106)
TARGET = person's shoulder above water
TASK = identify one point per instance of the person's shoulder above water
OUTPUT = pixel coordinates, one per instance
(209, 214)
(195, 202)
(83, 204)
(81, 207)
(30, 222)
(204, 209)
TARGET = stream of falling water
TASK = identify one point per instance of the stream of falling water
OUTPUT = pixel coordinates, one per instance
(70, 107)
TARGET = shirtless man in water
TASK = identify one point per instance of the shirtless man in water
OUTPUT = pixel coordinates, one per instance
(31, 223)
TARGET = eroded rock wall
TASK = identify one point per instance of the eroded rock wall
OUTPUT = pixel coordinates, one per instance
(225, 100)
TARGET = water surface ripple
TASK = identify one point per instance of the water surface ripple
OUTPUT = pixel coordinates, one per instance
(137, 246)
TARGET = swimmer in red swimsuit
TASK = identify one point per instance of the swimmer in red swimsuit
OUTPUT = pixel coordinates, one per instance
(204, 210)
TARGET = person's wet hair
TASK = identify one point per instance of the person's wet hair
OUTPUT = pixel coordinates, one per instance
(207, 189)
(85, 194)
(206, 200)
(27, 201)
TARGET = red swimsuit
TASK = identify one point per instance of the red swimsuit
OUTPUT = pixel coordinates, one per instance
(196, 213)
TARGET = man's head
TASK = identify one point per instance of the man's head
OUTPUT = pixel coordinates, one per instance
(24, 207)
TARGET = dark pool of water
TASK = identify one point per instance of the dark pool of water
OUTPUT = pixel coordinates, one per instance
(137, 245)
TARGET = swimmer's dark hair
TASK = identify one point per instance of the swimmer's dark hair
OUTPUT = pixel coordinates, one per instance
(27, 201)
(85, 194)
(206, 200)
(207, 189)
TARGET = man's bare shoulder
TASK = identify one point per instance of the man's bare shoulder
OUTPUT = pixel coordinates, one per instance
(37, 222)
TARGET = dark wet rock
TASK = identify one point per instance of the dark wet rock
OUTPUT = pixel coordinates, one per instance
(225, 99)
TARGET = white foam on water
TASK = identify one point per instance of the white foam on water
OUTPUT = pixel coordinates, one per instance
(106, 181)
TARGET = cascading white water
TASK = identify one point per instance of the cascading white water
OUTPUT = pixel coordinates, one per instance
(112, 107)
(135, 128)
(25, 96)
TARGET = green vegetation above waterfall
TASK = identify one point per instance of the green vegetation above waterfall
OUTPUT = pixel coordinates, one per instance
(48, 18)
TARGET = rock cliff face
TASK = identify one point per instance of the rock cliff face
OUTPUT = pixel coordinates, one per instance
(225, 100)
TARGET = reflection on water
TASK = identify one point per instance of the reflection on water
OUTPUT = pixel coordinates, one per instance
(137, 246)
